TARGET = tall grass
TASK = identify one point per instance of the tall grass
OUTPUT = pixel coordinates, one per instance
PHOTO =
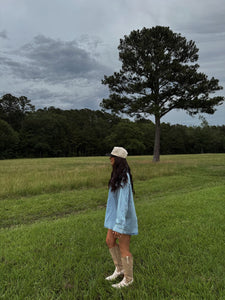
(36, 176)
(52, 236)
(25, 177)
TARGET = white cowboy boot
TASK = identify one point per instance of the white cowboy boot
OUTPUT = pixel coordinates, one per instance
(115, 253)
(127, 263)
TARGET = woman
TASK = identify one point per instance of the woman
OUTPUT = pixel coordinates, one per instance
(120, 217)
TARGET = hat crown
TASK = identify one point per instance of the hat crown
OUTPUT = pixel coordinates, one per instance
(120, 152)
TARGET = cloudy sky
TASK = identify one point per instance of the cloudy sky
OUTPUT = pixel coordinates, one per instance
(55, 52)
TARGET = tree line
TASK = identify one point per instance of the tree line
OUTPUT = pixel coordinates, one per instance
(52, 132)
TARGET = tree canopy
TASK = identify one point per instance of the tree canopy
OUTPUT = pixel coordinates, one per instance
(159, 74)
(14, 109)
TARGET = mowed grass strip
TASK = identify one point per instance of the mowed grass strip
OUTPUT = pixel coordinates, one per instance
(178, 254)
(186, 239)
(27, 210)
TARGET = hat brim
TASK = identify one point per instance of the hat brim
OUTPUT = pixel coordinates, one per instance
(109, 154)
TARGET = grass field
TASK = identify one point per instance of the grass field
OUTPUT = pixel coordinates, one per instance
(52, 239)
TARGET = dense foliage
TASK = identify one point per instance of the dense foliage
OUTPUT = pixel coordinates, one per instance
(52, 132)
(158, 74)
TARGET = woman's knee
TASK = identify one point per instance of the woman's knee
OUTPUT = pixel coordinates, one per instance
(110, 242)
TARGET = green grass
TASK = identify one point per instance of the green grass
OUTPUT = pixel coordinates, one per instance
(52, 240)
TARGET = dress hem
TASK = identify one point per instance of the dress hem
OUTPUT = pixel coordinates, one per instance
(123, 232)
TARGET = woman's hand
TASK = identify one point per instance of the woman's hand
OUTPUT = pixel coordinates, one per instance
(116, 234)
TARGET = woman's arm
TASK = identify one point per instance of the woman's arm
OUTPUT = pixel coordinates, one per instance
(122, 208)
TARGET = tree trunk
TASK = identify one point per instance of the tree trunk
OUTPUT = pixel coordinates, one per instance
(156, 155)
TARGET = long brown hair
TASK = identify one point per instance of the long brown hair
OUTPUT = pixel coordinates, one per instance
(119, 174)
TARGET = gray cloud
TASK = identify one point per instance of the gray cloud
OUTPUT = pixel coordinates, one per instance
(54, 61)
(3, 34)
(56, 73)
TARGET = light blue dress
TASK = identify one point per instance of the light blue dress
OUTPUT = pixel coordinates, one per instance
(120, 213)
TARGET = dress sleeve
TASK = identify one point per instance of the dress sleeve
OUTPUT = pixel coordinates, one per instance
(122, 208)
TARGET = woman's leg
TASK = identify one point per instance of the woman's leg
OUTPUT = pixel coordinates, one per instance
(124, 244)
(115, 253)
(127, 261)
